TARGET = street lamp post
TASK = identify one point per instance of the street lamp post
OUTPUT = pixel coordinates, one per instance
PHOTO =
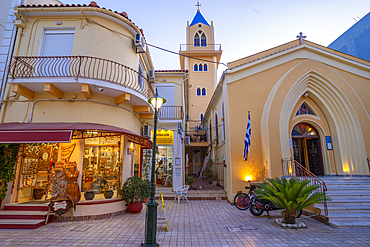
(151, 209)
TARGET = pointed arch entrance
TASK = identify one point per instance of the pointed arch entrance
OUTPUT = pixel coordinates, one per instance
(307, 149)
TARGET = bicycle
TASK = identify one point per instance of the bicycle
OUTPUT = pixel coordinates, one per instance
(242, 201)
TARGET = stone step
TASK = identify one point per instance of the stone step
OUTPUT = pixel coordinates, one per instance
(8, 214)
(348, 197)
(20, 224)
(349, 188)
(349, 223)
(26, 207)
(347, 217)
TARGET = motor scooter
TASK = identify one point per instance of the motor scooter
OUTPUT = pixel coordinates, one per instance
(258, 206)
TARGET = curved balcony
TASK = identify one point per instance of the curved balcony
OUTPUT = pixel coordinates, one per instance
(80, 66)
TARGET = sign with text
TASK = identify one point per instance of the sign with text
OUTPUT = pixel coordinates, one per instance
(164, 137)
(328, 143)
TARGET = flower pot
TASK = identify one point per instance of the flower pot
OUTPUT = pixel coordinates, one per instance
(108, 194)
(135, 207)
(89, 195)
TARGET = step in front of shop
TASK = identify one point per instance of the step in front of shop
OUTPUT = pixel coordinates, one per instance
(20, 223)
(23, 216)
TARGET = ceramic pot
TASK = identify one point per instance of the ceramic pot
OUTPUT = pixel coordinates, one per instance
(108, 194)
(89, 195)
(135, 207)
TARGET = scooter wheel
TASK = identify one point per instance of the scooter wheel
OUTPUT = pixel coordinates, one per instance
(299, 212)
(256, 211)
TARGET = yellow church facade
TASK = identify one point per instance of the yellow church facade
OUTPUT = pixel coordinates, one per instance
(307, 103)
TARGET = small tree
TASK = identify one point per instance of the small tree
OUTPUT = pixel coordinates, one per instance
(290, 195)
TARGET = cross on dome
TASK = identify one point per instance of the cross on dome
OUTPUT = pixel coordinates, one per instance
(301, 37)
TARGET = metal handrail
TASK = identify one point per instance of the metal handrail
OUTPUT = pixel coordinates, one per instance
(80, 66)
(293, 168)
(170, 112)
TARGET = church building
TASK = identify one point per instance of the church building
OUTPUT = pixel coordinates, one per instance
(308, 104)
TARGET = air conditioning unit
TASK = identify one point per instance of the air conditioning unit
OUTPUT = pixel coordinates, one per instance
(187, 140)
(147, 132)
(151, 76)
(140, 47)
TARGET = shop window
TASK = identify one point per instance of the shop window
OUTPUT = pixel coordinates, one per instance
(198, 91)
(102, 166)
(195, 67)
(164, 165)
(204, 91)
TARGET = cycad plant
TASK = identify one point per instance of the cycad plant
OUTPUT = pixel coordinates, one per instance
(290, 195)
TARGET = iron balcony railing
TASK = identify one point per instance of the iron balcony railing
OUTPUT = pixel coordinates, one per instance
(292, 168)
(170, 112)
(209, 47)
(80, 66)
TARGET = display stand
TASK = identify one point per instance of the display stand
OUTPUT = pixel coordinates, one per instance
(164, 212)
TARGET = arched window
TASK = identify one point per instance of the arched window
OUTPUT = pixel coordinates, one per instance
(200, 67)
(201, 116)
(196, 39)
(216, 129)
(203, 40)
(195, 67)
(198, 91)
(204, 91)
(304, 109)
(205, 67)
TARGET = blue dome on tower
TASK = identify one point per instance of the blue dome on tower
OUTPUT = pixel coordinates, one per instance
(199, 18)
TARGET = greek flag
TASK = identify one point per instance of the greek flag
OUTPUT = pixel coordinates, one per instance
(247, 140)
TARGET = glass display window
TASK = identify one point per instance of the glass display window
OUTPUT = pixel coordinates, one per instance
(164, 165)
(102, 166)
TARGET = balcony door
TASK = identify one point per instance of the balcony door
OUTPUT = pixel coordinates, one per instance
(57, 43)
(167, 91)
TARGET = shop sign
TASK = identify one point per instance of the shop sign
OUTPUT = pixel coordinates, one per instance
(164, 137)
(60, 207)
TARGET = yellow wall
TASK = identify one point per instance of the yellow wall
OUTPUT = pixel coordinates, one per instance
(273, 94)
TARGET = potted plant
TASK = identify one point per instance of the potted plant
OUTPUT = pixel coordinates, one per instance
(89, 193)
(292, 195)
(109, 192)
(134, 191)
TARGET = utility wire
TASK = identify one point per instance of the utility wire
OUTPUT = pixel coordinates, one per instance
(154, 46)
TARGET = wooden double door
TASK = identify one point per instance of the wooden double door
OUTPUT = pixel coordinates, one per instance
(307, 151)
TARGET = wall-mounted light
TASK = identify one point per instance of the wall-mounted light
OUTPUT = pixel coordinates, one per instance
(58, 23)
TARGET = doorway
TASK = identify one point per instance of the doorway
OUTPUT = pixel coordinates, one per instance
(307, 149)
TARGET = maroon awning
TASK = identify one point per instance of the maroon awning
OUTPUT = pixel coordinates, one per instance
(36, 136)
(53, 132)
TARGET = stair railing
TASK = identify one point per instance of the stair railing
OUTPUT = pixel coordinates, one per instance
(292, 168)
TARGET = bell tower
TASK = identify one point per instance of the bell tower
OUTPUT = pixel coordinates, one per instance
(200, 56)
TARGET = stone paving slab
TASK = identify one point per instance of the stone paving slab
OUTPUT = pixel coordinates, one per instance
(197, 223)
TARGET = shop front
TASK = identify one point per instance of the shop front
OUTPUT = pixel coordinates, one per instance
(102, 154)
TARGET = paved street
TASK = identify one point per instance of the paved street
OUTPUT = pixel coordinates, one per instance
(197, 223)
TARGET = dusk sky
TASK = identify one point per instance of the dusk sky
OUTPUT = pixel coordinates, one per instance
(242, 27)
